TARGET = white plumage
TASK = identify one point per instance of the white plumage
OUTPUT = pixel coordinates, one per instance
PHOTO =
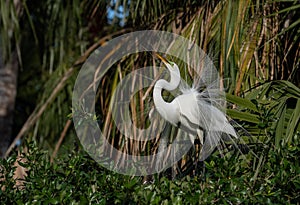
(191, 112)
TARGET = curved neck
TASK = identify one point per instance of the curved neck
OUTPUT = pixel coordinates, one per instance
(162, 106)
(174, 80)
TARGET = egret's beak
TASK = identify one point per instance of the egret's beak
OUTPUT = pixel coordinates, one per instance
(165, 61)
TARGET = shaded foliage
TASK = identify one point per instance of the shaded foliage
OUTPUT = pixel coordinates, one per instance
(76, 178)
(250, 41)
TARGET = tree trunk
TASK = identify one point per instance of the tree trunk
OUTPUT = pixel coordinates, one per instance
(8, 90)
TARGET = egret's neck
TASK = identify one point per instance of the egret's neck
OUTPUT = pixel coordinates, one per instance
(174, 80)
(163, 107)
(163, 84)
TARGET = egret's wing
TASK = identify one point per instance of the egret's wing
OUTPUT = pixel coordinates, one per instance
(214, 120)
(198, 113)
(187, 107)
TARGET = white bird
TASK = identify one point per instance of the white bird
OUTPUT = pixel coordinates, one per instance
(192, 112)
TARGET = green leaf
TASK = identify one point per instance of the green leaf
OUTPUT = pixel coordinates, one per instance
(239, 101)
(293, 123)
(280, 123)
(244, 116)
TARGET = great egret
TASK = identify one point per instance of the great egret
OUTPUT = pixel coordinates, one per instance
(191, 112)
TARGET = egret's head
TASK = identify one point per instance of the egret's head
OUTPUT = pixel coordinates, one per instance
(170, 65)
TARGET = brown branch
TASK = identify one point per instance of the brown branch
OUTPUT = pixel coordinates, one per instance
(36, 114)
(62, 136)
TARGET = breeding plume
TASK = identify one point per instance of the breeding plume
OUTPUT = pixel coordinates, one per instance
(192, 112)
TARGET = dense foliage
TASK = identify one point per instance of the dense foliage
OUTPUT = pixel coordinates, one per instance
(78, 179)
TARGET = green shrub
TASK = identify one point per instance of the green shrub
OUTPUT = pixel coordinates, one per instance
(77, 179)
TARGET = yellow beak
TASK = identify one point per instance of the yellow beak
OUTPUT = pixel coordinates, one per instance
(165, 61)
